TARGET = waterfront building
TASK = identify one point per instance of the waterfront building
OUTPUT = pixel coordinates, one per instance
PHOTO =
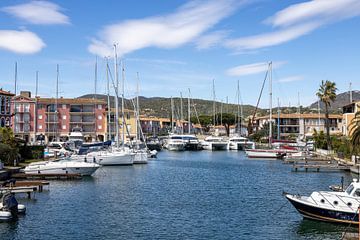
(348, 114)
(301, 124)
(24, 121)
(5, 108)
(128, 127)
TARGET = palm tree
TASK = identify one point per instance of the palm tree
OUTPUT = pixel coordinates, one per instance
(327, 94)
(354, 129)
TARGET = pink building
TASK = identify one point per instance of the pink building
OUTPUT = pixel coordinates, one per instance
(51, 119)
(5, 109)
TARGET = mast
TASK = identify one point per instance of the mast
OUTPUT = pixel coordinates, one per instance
(214, 106)
(238, 110)
(15, 128)
(189, 114)
(172, 115)
(124, 126)
(108, 99)
(319, 114)
(181, 113)
(56, 101)
(137, 107)
(95, 80)
(351, 96)
(36, 101)
(270, 103)
(299, 111)
(117, 98)
(278, 120)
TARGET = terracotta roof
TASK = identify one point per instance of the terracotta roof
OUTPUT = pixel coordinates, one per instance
(303, 115)
(72, 100)
(2, 92)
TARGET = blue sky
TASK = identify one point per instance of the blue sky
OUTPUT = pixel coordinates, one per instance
(176, 45)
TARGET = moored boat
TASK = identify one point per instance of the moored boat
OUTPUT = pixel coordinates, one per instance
(9, 207)
(264, 153)
(214, 143)
(330, 206)
(240, 143)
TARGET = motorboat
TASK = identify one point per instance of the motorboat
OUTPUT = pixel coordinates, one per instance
(214, 143)
(264, 153)
(240, 143)
(191, 142)
(175, 143)
(9, 207)
(153, 143)
(330, 206)
(62, 166)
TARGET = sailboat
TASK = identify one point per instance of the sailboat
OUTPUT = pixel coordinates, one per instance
(267, 153)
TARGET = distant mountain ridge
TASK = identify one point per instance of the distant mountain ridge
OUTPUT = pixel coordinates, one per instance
(161, 106)
(341, 100)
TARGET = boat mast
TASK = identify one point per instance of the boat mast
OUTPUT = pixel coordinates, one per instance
(124, 126)
(278, 122)
(238, 110)
(15, 128)
(214, 107)
(108, 99)
(137, 107)
(56, 101)
(172, 115)
(36, 101)
(351, 96)
(181, 113)
(299, 111)
(95, 119)
(117, 97)
(189, 114)
(270, 103)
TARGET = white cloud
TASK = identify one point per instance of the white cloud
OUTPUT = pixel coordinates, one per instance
(168, 31)
(270, 39)
(291, 79)
(38, 12)
(250, 69)
(211, 39)
(23, 42)
(298, 20)
(317, 10)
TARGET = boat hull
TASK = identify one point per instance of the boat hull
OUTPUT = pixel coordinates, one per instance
(83, 171)
(140, 158)
(264, 154)
(322, 214)
(175, 147)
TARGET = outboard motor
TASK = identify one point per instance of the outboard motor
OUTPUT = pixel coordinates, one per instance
(10, 203)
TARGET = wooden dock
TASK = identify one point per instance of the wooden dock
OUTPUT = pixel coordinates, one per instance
(26, 190)
(68, 176)
(318, 167)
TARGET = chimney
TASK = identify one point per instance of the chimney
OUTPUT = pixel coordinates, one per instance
(25, 94)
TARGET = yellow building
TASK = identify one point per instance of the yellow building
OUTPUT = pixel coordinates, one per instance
(128, 128)
(348, 115)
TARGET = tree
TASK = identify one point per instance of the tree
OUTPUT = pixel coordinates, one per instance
(8, 146)
(227, 120)
(204, 120)
(327, 95)
(354, 128)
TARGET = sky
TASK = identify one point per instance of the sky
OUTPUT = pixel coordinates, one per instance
(178, 45)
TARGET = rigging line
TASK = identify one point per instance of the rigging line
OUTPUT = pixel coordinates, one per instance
(258, 101)
(196, 113)
(347, 228)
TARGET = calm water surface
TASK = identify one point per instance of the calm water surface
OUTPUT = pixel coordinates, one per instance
(186, 195)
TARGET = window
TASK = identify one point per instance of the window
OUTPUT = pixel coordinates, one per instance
(99, 106)
(349, 189)
(40, 126)
(64, 117)
(99, 117)
(357, 193)
(40, 117)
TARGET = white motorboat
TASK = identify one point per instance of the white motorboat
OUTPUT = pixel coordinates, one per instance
(9, 207)
(240, 143)
(191, 142)
(264, 153)
(214, 143)
(330, 206)
(141, 156)
(62, 166)
(175, 143)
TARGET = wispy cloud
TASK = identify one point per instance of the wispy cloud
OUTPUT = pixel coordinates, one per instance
(38, 12)
(156, 61)
(23, 42)
(210, 40)
(298, 20)
(168, 31)
(253, 68)
(291, 79)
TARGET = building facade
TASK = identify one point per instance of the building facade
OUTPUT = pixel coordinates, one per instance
(5, 108)
(348, 115)
(301, 124)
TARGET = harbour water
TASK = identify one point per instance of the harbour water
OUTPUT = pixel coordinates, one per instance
(180, 195)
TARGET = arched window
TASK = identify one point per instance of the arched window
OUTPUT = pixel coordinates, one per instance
(2, 122)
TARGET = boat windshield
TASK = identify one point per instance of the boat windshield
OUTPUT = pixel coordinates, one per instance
(349, 189)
